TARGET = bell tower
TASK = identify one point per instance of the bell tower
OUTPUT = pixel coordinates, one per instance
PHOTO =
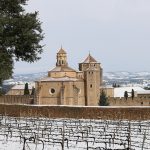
(62, 58)
(93, 80)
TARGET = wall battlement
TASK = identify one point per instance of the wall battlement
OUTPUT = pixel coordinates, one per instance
(137, 101)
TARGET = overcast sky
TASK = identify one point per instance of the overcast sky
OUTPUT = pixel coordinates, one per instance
(116, 32)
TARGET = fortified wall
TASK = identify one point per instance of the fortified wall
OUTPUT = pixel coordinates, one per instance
(16, 99)
(137, 101)
(27, 99)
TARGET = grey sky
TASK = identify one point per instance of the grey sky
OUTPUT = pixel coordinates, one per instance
(116, 32)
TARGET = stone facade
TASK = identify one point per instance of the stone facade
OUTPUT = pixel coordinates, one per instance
(66, 86)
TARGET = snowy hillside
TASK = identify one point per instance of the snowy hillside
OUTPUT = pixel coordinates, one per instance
(109, 78)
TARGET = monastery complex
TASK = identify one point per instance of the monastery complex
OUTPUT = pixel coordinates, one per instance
(66, 86)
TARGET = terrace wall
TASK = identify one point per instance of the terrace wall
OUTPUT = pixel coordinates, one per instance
(115, 113)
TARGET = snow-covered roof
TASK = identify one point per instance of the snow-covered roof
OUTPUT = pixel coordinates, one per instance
(21, 86)
(143, 92)
(119, 91)
(107, 87)
(59, 79)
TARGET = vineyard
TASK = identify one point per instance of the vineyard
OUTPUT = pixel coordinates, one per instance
(25, 133)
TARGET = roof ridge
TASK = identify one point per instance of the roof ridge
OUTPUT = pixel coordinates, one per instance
(62, 51)
(89, 59)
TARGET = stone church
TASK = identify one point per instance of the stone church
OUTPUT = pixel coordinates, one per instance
(66, 86)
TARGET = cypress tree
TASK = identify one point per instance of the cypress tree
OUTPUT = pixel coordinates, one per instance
(26, 89)
(126, 95)
(103, 99)
(132, 94)
(33, 91)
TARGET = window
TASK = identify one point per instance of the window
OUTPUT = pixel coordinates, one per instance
(91, 86)
(52, 91)
(141, 103)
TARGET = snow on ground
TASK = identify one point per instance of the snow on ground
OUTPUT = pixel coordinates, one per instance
(72, 134)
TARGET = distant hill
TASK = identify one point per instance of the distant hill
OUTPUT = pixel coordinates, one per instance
(109, 78)
(127, 78)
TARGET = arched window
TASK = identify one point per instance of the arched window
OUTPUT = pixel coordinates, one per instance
(59, 62)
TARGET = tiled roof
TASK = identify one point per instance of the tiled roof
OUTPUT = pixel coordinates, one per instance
(90, 59)
(59, 79)
(63, 69)
(62, 51)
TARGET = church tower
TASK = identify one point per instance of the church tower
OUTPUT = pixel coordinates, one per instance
(62, 58)
(93, 80)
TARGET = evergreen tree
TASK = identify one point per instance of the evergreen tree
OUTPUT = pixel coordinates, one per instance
(103, 99)
(1, 91)
(114, 85)
(6, 66)
(26, 89)
(132, 94)
(33, 91)
(20, 36)
(126, 95)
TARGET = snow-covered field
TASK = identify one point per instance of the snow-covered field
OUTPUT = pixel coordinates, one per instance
(73, 134)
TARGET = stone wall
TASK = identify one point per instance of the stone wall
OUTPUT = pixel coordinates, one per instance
(110, 113)
(22, 99)
(137, 101)
(16, 99)
(17, 91)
